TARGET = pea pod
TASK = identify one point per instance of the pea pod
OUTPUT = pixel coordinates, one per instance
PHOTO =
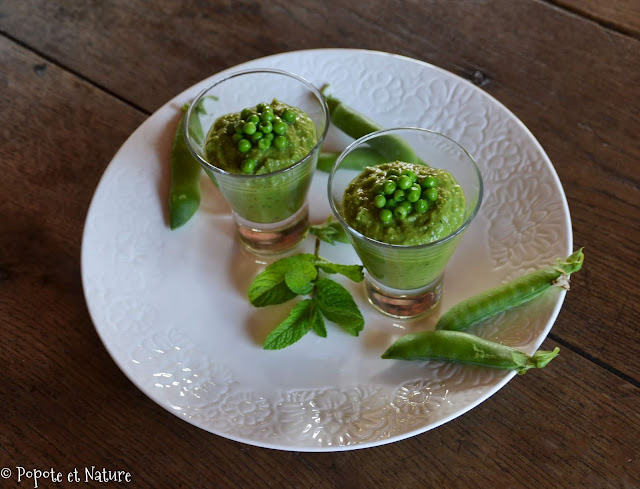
(465, 348)
(511, 294)
(358, 159)
(184, 191)
(356, 125)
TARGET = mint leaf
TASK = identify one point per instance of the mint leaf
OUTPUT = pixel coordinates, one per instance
(300, 279)
(352, 272)
(317, 322)
(270, 286)
(294, 327)
(284, 265)
(329, 232)
(337, 305)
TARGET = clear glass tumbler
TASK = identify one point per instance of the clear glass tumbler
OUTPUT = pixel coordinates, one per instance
(269, 210)
(406, 281)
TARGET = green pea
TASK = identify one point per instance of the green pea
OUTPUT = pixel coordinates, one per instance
(248, 165)
(428, 182)
(279, 127)
(404, 182)
(256, 136)
(378, 188)
(393, 171)
(266, 127)
(244, 145)
(289, 116)
(266, 116)
(393, 178)
(408, 205)
(379, 201)
(399, 195)
(414, 193)
(391, 204)
(249, 128)
(254, 118)
(386, 215)
(389, 187)
(410, 174)
(261, 107)
(431, 194)
(236, 137)
(264, 144)
(400, 212)
(238, 126)
(246, 113)
(280, 142)
(270, 136)
(420, 206)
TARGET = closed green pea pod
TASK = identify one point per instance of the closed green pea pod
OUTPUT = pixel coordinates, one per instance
(511, 294)
(357, 125)
(465, 348)
(184, 191)
(358, 159)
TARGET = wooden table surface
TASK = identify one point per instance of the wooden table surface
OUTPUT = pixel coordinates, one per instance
(77, 78)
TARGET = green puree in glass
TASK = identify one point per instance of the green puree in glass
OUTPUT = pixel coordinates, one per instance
(267, 194)
(441, 217)
(222, 151)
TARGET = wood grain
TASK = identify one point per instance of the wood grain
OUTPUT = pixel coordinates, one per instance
(572, 83)
(623, 15)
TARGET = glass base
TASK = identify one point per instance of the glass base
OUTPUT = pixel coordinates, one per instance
(273, 238)
(404, 304)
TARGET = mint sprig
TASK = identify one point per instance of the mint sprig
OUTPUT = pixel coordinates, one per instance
(297, 275)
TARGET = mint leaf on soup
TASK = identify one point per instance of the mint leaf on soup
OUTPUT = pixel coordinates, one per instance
(294, 327)
(300, 279)
(352, 272)
(337, 305)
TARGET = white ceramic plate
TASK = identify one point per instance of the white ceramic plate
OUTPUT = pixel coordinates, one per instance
(171, 307)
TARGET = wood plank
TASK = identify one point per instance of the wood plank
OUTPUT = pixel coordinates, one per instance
(573, 83)
(622, 15)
